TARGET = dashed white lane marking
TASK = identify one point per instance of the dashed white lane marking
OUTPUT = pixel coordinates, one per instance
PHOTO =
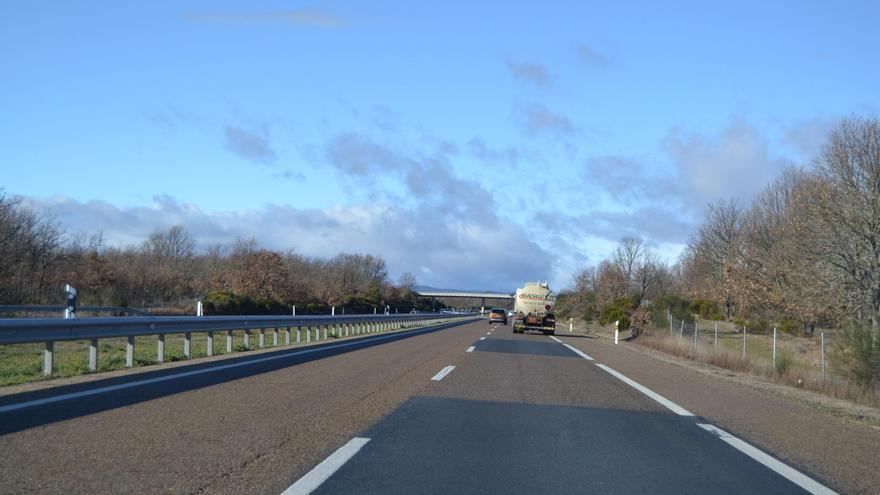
(488, 333)
(442, 373)
(313, 479)
(672, 406)
(784, 470)
(482, 338)
(470, 349)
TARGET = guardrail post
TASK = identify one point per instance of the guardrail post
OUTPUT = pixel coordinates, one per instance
(48, 358)
(298, 334)
(160, 348)
(286, 335)
(187, 345)
(228, 341)
(93, 355)
(129, 352)
(275, 337)
(247, 338)
(262, 337)
(325, 331)
(308, 334)
(210, 344)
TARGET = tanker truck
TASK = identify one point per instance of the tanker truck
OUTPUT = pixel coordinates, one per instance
(533, 309)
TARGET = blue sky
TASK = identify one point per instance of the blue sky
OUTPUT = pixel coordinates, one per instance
(477, 146)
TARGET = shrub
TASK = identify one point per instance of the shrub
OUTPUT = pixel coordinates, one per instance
(783, 363)
(788, 325)
(853, 353)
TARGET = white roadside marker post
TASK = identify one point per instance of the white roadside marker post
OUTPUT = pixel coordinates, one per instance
(616, 331)
(774, 347)
(570, 325)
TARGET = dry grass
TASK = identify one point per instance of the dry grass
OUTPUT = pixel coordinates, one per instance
(794, 363)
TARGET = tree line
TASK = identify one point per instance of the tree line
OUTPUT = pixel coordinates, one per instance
(166, 271)
(805, 253)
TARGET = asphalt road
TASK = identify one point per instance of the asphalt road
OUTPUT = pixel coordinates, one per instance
(516, 414)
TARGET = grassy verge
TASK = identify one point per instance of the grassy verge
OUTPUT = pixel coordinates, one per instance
(797, 362)
(23, 363)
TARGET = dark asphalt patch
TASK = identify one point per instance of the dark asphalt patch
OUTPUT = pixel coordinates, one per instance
(516, 346)
(441, 445)
(38, 415)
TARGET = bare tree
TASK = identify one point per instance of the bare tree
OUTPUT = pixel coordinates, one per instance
(845, 214)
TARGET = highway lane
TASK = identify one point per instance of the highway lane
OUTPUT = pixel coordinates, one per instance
(517, 414)
(254, 433)
(524, 414)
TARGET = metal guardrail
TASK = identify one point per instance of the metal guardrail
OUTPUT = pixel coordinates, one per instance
(37, 308)
(51, 330)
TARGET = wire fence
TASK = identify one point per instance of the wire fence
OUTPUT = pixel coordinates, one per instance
(774, 348)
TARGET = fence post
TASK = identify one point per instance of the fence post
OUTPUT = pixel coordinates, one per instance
(93, 355)
(774, 347)
(716, 339)
(48, 358)
(822, 335)
(129, 352)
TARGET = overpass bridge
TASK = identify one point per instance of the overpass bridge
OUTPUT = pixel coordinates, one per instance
(475, 298)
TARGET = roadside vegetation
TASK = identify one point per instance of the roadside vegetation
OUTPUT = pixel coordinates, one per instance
(803, 257)
(166, 275)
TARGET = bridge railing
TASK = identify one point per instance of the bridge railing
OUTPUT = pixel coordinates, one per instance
(51, 330)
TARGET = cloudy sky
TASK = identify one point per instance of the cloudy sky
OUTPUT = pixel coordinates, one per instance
(477, 145)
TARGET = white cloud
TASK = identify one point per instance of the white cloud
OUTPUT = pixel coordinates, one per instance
(529, 72)
(251, 145)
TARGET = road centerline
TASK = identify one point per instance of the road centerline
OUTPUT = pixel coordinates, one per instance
(319, 474)
(442, 373)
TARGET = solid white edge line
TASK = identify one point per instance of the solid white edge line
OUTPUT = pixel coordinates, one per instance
(319, 474)
(165, 378)
(557, 340)
(784, 470)
(578, 352)
(470, 349)
(672, 406)
(482, 338)
(442, 373)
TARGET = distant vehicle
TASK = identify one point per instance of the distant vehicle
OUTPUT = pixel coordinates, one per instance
(533, 309)
(498, 315)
